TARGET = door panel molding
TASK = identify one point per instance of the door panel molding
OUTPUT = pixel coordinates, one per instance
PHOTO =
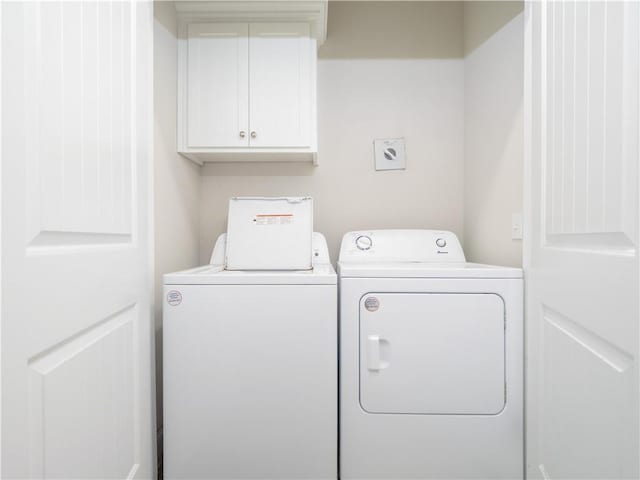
(87, 380)
(585, 397)
(80, 118)
(609, 243)
(611, 354)
(589, 121)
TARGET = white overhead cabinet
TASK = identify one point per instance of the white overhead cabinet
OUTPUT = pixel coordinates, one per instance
(281, 85)
(247, 89)
(217, 93)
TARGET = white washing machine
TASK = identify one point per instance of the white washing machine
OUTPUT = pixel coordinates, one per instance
(250, 371)
(431, 362)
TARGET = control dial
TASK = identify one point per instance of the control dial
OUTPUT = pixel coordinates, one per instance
(441, 242)
(364, 242)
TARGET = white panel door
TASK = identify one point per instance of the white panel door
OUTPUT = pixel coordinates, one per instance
(280, 84)
(432, 353)
(581, 239)
(218, 88)
(77, 391)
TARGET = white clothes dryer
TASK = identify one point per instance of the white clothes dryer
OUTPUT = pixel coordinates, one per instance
(431, 362)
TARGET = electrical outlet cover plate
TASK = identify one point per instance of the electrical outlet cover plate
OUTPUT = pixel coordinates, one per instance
(390, 154)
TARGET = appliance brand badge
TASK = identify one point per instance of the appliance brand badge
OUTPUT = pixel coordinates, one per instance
(372, 304)
(174, 298)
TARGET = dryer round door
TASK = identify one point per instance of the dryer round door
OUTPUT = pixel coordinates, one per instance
(432, 353)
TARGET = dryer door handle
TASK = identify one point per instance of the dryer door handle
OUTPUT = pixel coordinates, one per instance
(377, 353)
(373, 352)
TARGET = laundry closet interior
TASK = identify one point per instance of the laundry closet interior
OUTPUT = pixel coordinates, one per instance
(320, 239)
(446, 77)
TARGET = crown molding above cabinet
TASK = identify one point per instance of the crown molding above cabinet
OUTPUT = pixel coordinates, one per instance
(313, 12)
(247, 80)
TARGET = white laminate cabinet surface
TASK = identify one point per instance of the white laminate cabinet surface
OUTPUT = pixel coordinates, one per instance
(247, 82)
(217, 85)
(280, 79)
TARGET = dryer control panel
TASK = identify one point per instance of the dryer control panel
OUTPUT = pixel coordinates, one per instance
(420, 246)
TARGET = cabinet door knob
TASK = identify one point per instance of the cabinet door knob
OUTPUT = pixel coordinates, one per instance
(254, 134)
(242, 134)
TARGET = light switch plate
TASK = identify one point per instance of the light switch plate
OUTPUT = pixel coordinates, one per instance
(516, 226)
(390, 154)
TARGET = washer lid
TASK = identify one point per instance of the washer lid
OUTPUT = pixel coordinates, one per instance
(269, 233)
(322, 272)
(216, 275)
(425, 270)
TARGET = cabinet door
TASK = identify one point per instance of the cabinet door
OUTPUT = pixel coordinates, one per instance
(217, 79)
(280, 84)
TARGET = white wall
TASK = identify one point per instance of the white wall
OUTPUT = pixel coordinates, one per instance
(405, 82)
(177, 180)
(493, 139)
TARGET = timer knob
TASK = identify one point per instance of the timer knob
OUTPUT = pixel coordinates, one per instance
(364, 242)
(441, 242)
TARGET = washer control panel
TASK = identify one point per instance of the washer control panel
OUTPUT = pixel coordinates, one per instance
(435, 246)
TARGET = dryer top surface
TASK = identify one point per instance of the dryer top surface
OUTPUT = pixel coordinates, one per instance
(425, 270)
